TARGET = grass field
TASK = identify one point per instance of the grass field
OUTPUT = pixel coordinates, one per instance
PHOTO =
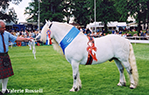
(51, 74)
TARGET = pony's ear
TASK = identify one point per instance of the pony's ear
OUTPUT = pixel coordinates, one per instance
(49, 21)
(46, 20)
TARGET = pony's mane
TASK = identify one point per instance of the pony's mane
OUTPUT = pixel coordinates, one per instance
(56, 46)
(55, 43)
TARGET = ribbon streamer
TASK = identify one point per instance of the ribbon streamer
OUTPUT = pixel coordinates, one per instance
(32, 44)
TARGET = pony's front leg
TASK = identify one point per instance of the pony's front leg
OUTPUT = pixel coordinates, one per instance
(76, 77)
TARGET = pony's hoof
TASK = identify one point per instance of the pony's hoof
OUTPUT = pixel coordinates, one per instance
(132, 86)
(80, 87)
(72, 90)
(121, 84)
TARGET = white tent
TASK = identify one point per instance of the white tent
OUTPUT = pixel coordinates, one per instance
(110, 25)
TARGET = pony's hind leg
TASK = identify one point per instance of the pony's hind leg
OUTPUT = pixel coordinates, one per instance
(122, 81)
(76, 77)
(79, 81)
(129, 70)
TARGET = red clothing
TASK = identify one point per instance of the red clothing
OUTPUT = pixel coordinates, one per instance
(5, 71)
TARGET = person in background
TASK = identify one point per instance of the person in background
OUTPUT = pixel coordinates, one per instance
(88, 32)
(120, 32)
(103, 32)
(113, 32)
(5, 64)
(26, 32)
(142, 34)
(147, 32)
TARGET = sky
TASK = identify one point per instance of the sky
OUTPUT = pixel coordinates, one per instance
(19, 9)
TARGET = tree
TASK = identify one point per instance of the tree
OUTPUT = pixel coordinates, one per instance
(56, 10)
(3, 6)
(67, 9)
(32, 11)
(106, 12)
(13, 14)
(136, 8)
(53, 11)
(50, 10)
(147, 14)
(81, 11)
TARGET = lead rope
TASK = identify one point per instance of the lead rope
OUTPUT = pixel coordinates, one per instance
(32, 44)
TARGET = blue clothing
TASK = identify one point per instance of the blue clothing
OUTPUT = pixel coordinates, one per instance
(120, 32)
(113, 32)
(69, 38)
(142, 34)
(7, 37)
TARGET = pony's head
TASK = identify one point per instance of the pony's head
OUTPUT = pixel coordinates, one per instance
(43, 36)
(44, 30)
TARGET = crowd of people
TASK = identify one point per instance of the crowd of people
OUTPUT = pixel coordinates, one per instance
(24, 34)
(89, 32)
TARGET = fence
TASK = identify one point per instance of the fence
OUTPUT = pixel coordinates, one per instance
(139, 39)
(132, 39)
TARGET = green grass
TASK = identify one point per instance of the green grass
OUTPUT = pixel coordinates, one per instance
(53, 74)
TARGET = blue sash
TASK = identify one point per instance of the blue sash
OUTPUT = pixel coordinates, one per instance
(69, 38)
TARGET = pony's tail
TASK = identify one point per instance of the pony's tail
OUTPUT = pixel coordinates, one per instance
(133, 65)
